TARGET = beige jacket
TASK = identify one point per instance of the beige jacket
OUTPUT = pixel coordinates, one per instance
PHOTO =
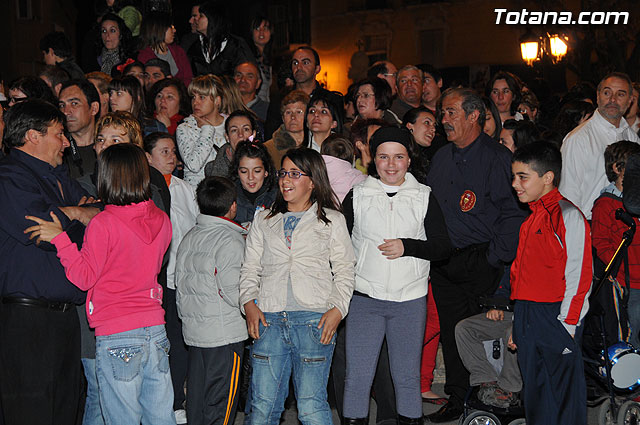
(320, 263)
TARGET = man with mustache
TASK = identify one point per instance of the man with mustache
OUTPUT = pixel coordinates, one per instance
(409, 82)
(583, 171)
(471, 179)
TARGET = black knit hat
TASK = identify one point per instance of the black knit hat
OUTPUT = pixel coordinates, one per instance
(390, 134)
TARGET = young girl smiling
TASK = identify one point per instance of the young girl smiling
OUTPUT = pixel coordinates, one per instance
(295, 287)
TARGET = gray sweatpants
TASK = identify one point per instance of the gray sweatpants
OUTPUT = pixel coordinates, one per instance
(367, 323)
(470, 334)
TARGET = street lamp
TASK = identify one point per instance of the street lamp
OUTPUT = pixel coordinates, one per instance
(557, 47)
(529, 47)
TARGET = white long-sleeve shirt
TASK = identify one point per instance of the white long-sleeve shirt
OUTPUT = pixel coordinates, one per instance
(197, 147)
(583, 173)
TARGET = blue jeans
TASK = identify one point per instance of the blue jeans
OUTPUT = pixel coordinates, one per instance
(92, 410)
(291, 343)
(133, 377)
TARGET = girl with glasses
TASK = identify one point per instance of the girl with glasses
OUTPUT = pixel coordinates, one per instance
(295, 287)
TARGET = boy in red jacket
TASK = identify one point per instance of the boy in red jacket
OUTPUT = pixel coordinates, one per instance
(551, 280)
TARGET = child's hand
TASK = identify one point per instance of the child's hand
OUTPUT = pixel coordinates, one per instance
(329, 323)
(254, 317)
(392, 248)
(44, 230)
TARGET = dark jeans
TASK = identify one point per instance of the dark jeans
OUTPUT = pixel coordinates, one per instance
(457, 286)
(40, 369)
(179, 353)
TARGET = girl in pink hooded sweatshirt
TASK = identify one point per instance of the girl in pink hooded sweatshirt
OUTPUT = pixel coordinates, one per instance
(118, 265)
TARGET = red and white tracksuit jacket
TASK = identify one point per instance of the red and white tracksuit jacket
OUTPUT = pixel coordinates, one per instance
(553, 262)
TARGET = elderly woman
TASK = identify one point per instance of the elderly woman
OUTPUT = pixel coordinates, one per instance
(373, 98)
(291, 134)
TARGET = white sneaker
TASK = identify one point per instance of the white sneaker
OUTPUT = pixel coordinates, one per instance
(181, 416)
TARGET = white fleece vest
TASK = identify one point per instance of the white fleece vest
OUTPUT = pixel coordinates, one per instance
(377, 217)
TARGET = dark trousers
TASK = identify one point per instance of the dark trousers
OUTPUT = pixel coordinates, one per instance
(457, 286)
(554, 390)
(40, 369)
(383, 391)
(178, 357)
(212, 387)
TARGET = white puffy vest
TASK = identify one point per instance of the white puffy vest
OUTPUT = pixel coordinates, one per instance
(378, 216)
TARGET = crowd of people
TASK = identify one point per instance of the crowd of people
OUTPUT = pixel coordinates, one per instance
(185, 230)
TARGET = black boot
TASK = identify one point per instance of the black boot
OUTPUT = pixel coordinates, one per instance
(403, 420)
(352, 421)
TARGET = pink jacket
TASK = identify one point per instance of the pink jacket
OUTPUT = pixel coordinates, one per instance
(184, 66)
(119, 264)
(342, 175)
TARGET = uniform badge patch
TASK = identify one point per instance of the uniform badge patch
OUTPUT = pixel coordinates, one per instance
(467, 201)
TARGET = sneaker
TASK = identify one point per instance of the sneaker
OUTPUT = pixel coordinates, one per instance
(181, 416)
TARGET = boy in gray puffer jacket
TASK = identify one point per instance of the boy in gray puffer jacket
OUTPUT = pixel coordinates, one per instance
(207, 284)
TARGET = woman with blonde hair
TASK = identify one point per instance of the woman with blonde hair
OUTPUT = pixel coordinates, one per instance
(201, 134)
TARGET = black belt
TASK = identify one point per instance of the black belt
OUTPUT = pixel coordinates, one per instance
(32, 302)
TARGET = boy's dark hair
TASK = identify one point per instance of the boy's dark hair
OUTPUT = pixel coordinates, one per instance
(617, 154)
(215, 195)
(160, 63)
(542, 157)
(34, 88)
(431, 70)
(54, 74)
(123, 175)
(524, 132)
(32, 114)
(58, 42)
(339, 147)
(151, 140)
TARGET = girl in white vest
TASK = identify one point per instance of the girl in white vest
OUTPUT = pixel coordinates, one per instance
(397, 228)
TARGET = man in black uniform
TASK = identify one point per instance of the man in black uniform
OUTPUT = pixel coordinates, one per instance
(471, 179)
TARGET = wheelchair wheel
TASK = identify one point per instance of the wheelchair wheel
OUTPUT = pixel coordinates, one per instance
(605, 417)
(480, 418)
(629, 414)
(520, 421)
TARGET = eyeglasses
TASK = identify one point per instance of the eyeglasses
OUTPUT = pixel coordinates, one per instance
(292, 174)
(364, 95)
(390, 75)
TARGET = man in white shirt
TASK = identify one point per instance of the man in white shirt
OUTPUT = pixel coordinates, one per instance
(583, 172)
